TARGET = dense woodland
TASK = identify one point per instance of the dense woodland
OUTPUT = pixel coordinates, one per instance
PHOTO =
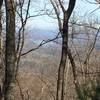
(56, 62)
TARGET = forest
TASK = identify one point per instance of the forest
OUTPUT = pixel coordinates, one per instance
(49, 50)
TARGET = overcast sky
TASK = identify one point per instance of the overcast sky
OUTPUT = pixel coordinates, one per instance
(82, 8)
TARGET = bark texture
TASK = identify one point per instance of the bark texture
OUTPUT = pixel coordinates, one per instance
(61, 72)
(1, 2)
(10, 50)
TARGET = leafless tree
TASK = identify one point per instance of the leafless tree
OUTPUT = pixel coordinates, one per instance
(1, 2)
(63, 28)
(21, 31)
(10, 50)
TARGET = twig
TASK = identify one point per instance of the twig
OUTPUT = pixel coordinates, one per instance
(21, 93)
(92, 48)
(41, 44)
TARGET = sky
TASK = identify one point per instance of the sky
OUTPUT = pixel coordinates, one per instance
(82, 8)
(44, 27)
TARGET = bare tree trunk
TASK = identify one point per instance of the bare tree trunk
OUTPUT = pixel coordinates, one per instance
(1, 2)
(10, 50)
(0, 31)
(61, 72)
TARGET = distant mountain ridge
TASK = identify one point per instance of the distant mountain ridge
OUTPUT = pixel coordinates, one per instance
(40, 34)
